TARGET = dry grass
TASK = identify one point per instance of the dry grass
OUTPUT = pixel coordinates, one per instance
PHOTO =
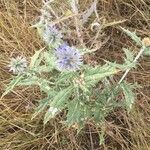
(122, 131)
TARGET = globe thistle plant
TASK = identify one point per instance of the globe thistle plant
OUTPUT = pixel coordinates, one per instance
(68, 58)
(18, 65)
(85, 95)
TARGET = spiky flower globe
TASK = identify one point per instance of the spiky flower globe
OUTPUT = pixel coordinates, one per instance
(51, 35)
(68, 58)
(18, 65)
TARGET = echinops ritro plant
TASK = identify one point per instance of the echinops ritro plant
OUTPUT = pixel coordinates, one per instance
(83, 90)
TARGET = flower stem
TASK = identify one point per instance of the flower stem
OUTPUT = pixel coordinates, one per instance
(135, 60)
(127, 71)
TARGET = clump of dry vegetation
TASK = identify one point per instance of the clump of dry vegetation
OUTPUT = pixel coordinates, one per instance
(101, 32)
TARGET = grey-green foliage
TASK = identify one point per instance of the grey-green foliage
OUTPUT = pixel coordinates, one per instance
(133, 36)
(83, 93)
(129, 95)
(128, 60)
(147, 51)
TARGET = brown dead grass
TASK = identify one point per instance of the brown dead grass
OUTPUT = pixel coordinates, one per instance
(122, 131)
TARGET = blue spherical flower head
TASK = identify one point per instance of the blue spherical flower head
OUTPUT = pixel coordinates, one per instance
(68, 58)
(51, 35)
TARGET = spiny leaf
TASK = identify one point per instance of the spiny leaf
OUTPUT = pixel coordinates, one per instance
(122, 67)
(49, 59)
(66, 76)
(51, 112)
(74, 112)
(34, 59)
(42, 105)
(147, 51)
(58, 102)
(28, 81)
(43, 68)
(129, 60)
(129, 95)
(92, 76)
(12, 84)
(98, 114)
(133, 36)
(78, 113)
(42, 83)
(61, 97)
(129, 54)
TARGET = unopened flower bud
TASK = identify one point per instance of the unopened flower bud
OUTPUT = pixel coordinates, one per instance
(146, 41)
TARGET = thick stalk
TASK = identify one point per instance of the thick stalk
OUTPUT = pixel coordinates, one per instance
(135, 60)
(127, 71)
